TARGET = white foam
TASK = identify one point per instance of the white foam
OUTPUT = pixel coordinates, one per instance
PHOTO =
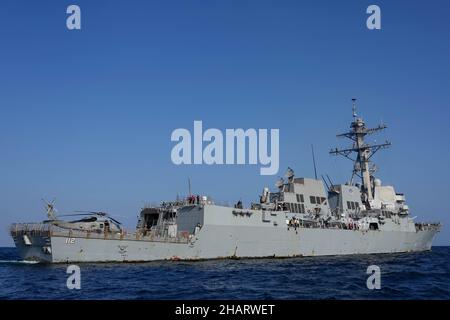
(19, 261)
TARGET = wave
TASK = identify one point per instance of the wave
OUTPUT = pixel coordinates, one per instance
(18, 262)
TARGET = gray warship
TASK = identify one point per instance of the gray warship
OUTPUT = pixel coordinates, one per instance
(301, 217)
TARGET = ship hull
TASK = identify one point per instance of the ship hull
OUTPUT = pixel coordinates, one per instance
(216, 242)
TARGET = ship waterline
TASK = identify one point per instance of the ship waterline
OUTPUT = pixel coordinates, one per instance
(257, 237)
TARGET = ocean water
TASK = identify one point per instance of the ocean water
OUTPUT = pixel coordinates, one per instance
(403, 276)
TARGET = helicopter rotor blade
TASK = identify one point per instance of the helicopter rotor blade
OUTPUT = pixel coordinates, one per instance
(100, 213)
(88, 213)
(74, 214)
(118, 222)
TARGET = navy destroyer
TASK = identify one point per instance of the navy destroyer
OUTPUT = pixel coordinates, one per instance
(301, 217)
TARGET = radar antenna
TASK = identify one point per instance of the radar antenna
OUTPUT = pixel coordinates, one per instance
(50, 208)
(280, 183)
(362, 165)
(289, 174)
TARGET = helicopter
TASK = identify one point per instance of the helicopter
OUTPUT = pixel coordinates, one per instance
(89, 221)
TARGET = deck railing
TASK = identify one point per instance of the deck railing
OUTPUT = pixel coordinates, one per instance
(428, 226)
(43, 229)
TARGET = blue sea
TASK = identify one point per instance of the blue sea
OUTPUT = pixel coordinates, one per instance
(403, 276)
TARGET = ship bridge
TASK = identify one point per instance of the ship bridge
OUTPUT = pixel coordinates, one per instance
(298, 195)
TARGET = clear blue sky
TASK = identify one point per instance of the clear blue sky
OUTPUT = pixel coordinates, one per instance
(86, 116)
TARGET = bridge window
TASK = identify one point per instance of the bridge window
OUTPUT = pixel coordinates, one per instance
(312, 199)
(300, 198)
(352, 205)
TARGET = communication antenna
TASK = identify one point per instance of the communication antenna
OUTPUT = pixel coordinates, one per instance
(329, 179)
(354, 108)
(314, 161)
(326, 184)
(189, 186)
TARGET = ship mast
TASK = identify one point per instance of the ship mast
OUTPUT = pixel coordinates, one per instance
(364, 152)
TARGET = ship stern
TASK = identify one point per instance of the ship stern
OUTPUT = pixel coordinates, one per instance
(33, 241)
